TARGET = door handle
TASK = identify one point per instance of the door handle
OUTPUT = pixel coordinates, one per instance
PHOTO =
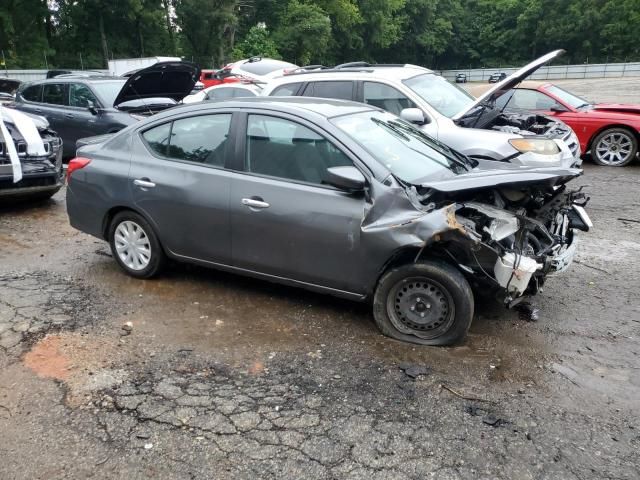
(253, 203)
(144, 183)
(38, 110)
(68, 115)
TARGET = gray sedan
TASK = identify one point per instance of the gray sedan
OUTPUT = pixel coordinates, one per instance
(332, 196)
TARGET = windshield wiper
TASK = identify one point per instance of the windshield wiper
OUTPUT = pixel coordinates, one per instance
(399, 130)
(583, 105)
(395, 130)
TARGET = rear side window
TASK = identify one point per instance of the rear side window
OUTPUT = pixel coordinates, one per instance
(339, 90)
(220, 93)
(386, 97)
(287, 90)
(200, 139)
(54, 93)
(32, 93)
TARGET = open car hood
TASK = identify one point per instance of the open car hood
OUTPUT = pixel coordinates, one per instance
(486, 174)
(173, 80)
(8, 85)
(501, 88)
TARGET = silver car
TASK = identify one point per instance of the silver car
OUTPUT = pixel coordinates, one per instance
(334, 196)
(475, 127)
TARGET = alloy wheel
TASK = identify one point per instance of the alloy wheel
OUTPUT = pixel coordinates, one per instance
(614, 148)
(132, 245)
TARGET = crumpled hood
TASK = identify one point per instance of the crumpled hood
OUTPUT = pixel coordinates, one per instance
(488, 174)
(173, 80)
(41, 123)
(8, 85)
(617, 107)
(508, 83)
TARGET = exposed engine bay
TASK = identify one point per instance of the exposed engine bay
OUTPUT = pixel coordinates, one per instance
(514, 235)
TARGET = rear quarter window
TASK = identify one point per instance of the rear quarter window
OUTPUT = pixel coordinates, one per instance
(288, 90)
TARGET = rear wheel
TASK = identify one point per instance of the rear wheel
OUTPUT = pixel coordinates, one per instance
(615, 147)
(135, 246)
(428, 303)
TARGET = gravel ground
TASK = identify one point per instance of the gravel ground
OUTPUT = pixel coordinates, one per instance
(219, 376)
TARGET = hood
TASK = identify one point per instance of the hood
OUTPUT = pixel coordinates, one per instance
(40, 123)
(508, 83)
(617, 107)
(487, 175)
(164, 79)
(7, 85)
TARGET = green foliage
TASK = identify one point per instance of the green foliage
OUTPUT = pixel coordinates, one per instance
(436, 33)
(304, 33)
(257, 43)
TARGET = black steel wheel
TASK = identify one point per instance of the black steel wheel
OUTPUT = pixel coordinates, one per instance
(429, 303)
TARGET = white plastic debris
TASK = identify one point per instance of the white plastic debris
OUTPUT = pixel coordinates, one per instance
(148, 446)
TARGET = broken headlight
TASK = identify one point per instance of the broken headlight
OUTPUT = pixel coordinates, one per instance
(542, 146)
(502, 227)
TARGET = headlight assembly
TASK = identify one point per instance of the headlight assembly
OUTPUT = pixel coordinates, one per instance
(542, 146)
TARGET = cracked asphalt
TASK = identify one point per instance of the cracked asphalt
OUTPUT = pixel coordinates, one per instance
(221, 377)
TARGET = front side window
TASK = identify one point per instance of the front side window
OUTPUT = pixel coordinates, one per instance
(339, 90)
(80, 95)
(33, 93)
(54, 94)
(281, 148)
(530, 100)
(403, 149)
(386, 97)
(200, 139)
(287, 90)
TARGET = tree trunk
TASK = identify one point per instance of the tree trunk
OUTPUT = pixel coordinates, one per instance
(103, 40)
(140, 37)
(167, 17)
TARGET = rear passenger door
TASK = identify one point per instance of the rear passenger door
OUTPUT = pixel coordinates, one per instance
(179, 182)
(54, 99)
(285, 221)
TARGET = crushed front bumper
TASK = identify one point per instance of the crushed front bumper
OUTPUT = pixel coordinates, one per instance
(564, 258)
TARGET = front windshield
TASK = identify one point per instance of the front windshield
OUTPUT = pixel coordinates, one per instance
(568, 98)
(406, 151)
(108, 91)
(445, 97)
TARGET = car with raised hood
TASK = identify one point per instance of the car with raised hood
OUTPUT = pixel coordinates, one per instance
(30, 157)
(78, 107)
(333, 196)
(609, 131)
(8, 88)
(474, 127)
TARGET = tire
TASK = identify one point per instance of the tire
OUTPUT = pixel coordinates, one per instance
(614, 147)
(146, 256)
(441, 298)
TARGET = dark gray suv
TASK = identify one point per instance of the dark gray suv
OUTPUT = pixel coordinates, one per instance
(79, 106)
(333, 196)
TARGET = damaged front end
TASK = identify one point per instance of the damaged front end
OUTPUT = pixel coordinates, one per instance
(505, 238)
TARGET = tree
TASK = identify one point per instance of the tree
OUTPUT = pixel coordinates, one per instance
(257, 43)
(304, 33)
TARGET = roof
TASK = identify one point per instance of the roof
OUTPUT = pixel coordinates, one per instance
(90, 79)
(358, 73)
(323, 107)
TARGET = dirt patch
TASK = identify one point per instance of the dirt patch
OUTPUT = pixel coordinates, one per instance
(46, 359)
(85, 364)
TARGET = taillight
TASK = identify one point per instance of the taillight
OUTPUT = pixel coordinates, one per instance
(76, 164)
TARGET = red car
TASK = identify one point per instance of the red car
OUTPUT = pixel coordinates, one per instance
(611, 131)
(211, 78)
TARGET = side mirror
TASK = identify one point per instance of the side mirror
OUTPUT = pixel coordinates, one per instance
(346, 178)
(92, 107)
(558, 108)
(415, 116)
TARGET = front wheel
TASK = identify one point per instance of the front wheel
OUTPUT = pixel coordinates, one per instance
(615, 147)
(428, 303)
(135, 246)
